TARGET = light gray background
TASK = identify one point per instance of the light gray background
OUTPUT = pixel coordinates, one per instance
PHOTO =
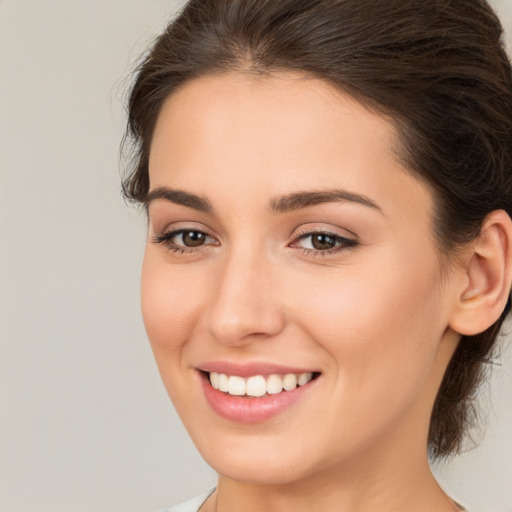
(85, 424)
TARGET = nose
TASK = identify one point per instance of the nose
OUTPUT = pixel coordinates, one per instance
(245, 303)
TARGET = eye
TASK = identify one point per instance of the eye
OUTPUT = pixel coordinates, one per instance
(190, 238)
(185, 239)
(323, 242)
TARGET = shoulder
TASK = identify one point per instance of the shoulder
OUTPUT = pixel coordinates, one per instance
(191, 505)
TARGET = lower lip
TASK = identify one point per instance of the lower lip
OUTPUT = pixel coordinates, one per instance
(251, 410)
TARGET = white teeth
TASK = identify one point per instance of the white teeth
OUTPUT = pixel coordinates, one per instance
(214, 380)
(274, 384)
(236, 385)
(304, 378)
(289, 382)
(257, 385)
(223, 382)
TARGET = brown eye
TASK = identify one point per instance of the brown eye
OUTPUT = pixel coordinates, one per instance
(192, 238)
(322, 242)
(185, 239)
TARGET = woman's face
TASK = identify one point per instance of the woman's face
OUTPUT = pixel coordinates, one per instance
(286, 239)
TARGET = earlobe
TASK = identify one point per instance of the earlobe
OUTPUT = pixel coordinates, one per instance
(488, 277)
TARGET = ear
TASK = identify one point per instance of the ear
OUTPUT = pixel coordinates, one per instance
(488, 275)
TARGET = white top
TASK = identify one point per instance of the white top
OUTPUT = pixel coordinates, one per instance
(191, 505)
(195, 503)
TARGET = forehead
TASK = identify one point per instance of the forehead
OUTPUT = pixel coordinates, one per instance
(241, 134)
(290, 99)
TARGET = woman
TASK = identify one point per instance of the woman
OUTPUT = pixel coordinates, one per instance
(328, 185)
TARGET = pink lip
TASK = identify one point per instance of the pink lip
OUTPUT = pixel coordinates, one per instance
(252, 410)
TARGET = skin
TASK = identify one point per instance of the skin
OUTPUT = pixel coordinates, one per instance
(374, 318)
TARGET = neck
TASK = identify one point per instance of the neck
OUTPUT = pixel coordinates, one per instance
(340, 490)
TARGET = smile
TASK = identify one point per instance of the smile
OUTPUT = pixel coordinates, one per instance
(254, 393)
(258, 385)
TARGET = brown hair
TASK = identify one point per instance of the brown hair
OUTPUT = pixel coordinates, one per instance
(436, 67)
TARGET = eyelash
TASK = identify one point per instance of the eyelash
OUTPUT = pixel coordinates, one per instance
(343, 242)
(166, 239)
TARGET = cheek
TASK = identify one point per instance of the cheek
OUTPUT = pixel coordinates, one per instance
(170, 300)
(380, 327)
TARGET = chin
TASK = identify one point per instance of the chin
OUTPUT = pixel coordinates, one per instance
(260, 472)
(256, 461)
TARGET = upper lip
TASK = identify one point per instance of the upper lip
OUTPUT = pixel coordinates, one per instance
(250, 368)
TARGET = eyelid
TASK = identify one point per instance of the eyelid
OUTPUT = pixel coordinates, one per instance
(168, 234)
(342, 242)
(313, 228)
(345, 239)
(161, 227)
(165, 238)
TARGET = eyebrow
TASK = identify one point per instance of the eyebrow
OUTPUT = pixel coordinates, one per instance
(298, 200)
(282, 204)
(179, 197)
